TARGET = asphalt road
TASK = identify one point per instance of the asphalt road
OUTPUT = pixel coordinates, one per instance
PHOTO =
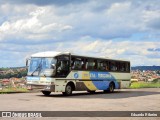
(121, 100)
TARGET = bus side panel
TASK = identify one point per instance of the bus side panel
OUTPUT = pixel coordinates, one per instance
(91, 80)
(80, 86)
(123, 79)
(102, 80)
(60, 85)
(94, 80)
(82, 80)
(87, 81)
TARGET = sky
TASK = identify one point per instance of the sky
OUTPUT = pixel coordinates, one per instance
(118, 29)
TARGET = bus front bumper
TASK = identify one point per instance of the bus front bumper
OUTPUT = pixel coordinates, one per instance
(50, 88)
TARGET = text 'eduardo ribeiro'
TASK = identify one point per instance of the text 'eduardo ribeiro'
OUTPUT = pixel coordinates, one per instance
(146, 114)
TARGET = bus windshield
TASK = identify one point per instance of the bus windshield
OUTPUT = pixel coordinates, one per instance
(38, 64)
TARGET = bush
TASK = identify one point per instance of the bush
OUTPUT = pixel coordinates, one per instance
(156, 80)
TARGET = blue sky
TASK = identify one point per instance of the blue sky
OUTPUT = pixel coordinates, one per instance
(121, 29)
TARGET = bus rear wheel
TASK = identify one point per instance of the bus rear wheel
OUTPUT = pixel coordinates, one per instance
(111, 88)
(68, 90)
(46, 93)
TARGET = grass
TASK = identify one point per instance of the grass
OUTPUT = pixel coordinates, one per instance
(13, 90)
(136, 85)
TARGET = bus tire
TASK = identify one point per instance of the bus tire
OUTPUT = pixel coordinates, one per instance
(68, 90)
(111, 88)
(46, 93)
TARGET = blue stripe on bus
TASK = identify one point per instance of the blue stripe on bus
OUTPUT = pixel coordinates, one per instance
(33, 78)
(106, 77)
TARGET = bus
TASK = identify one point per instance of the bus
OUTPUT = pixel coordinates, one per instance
(65, 72)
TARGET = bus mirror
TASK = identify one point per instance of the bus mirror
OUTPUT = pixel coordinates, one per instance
(27, 62)
(53, 66)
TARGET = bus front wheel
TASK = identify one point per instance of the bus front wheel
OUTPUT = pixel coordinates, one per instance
(46, 93)
(68, 90)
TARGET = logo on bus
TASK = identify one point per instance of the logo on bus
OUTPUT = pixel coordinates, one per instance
(76, 75)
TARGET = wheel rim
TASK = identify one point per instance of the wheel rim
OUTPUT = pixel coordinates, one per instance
(111, 87)
(68, 89)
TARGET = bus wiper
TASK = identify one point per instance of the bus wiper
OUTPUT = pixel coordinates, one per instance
(36, 68)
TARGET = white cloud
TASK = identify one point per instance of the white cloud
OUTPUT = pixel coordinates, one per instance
(118, 9)
(107, 28)
(32, 27)
(120, 19)
(136, 52)
(152, 18)
(91, 46)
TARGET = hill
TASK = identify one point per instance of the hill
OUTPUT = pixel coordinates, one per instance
(17, 72)
(152, 68)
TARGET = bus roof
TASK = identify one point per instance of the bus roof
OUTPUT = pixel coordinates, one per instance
(54, 54)
(103, 58)
(45, 54)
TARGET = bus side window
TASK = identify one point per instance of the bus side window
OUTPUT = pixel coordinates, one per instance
(84, 64)
(91, 65)
(72, 63)
(113, 66)
(77, 63)
(107, 66)
(99, 65)
(62, 67)
(95, 65)
(103, 65)
(127, 67)
(122, 66)
(65, 65)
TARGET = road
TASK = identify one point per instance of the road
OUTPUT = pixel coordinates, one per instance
(120, 100)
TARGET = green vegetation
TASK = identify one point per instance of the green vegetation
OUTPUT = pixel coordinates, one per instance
(156, 80)
(136, 85)
(13, 90)
(12, 72)
(3, 69)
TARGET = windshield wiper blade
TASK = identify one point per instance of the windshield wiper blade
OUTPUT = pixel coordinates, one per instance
(36, 68)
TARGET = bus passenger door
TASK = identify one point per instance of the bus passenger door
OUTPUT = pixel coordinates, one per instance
(62, 68)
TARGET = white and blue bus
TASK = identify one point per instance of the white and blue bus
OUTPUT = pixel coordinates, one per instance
(65, 72)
